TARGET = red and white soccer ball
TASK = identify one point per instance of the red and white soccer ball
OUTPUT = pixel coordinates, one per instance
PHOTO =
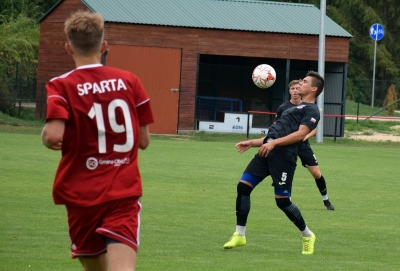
(264, 76)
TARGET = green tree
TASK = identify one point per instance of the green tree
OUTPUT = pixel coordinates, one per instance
(19, 43)
(20, 40)
(11, 9)
(390, 99)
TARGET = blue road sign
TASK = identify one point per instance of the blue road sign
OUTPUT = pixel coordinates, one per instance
(376, 31)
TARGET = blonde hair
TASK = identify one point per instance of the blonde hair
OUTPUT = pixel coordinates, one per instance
(85, 31)
(294, 82)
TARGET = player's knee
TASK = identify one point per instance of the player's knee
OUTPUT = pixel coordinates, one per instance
(315, 172)
(283, 203)
(244, 189)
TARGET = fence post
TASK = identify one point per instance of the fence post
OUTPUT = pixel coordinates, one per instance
(359, 98)
(334, 137)
(248, 124)
(18, 89)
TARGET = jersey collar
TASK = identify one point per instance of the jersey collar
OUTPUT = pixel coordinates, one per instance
(89, 66)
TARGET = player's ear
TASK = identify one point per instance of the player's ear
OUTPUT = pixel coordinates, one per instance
(68, 48)
(314, 89)
(104, 46)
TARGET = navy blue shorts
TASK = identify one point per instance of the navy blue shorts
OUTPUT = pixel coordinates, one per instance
(307, 156)
(277, 165)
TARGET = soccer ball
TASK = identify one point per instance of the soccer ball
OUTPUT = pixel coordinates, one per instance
(264, 76)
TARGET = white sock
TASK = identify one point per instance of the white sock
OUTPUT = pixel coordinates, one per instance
(241, 230)
(306, 232)
(325, 197)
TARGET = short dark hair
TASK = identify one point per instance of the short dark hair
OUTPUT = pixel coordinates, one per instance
(317, 81)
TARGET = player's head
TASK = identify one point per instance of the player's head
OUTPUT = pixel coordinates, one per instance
(85, 32)
(294, 86)
(316, 82)
(294, 82)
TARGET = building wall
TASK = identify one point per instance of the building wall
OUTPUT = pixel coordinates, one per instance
(53, 60)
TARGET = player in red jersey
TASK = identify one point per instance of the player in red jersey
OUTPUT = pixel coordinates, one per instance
(98, 117)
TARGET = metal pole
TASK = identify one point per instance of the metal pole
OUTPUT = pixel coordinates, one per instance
(358, 99)
(334, 137)
(321, 71)
(248, 124)
(373, 77)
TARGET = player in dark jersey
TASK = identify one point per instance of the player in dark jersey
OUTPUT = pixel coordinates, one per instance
(277, 157)
(98, 117)
(306, 154)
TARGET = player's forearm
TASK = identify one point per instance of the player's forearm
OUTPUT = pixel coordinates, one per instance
(289, 139)
(52, 133)
(256, 142)
(144, 137)
(49, 141)
(312, 133)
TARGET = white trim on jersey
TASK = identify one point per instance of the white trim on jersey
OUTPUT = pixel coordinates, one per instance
(58, 96)
(79, 68)
(142, 102)
(62, 76)
(89, 66)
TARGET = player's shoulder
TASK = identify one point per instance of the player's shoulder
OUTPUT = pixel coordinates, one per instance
(286, 105)
(61, 77)
(310, 106)
(115, 70)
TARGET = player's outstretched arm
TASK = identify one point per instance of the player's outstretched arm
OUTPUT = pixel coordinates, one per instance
(52, 134)
(245, 145)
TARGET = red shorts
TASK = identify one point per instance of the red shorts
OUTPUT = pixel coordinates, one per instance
(90, 226)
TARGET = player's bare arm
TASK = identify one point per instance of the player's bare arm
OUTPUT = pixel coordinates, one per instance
(245, 145)
(292, 138)
(144, 137)
(52, 133)
(311, 134)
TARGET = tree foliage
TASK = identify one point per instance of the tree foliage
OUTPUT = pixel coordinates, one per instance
(20, 40)
(29, 8)
(19, 43)
(390, 100)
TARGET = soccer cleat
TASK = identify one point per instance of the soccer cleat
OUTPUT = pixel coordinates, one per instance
(308, 245)
(329, 205)
(235, 241)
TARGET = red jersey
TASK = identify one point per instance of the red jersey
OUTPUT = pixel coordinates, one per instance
(103, 109)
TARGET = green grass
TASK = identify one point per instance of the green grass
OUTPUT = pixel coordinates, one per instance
(20, 125)
(189, 208)
(370, 126)
(352, 108)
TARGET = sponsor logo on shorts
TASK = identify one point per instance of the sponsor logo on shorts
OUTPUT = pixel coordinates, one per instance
(92, 163)
(313, 120)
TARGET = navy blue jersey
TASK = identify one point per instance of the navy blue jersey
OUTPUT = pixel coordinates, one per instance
(289, 120)
(283, 107)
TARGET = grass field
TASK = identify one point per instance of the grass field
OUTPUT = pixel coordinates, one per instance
(189, 208)
(353, 108)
